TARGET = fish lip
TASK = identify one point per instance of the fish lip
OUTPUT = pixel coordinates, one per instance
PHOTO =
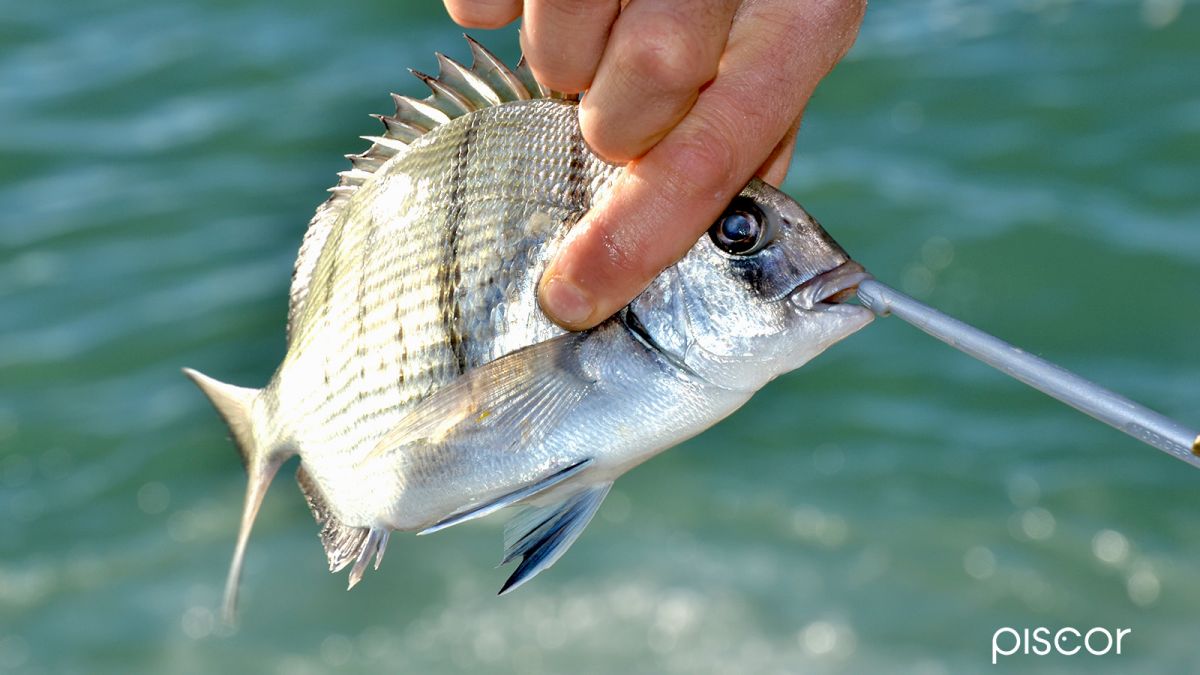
(829, 288)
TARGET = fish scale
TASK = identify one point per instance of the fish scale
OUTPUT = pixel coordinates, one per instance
(422, 384)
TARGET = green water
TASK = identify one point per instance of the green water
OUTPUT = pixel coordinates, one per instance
(1031, 166)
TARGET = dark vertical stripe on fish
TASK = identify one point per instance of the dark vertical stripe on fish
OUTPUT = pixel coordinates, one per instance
(332, 244)
(330, 249)
(400, 340)
(361, 351)
(577, 182)
(451, 272)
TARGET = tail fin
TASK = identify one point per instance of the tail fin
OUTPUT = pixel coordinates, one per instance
(234, 406)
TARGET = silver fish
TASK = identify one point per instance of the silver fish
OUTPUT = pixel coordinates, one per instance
(422, 385)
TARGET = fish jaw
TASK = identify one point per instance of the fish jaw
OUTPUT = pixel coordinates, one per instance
(823, 318)
(832, 324)
(829, 288)
(819, 318)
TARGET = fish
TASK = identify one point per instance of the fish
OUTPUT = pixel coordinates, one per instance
(422, 386)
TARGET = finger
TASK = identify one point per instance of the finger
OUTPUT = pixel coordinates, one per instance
(563, 40)
(660, 54)
(483, 13)
(775, 169)
(777, 52)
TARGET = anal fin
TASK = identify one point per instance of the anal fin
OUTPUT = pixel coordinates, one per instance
(375, 545)
(540, 536)
(343, 544)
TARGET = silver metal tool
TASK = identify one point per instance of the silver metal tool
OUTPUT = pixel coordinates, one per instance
(1164, 433)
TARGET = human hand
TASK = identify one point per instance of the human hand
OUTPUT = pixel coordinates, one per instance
(697, 96)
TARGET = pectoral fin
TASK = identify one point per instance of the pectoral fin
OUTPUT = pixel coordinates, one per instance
(541, 535)
(505, 405)
(481, 510)
(510, 401)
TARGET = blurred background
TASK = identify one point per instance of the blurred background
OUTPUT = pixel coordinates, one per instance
(1029, 165)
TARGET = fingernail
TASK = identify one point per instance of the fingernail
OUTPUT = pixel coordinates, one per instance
(565, 302)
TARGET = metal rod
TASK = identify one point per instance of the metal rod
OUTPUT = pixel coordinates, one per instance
(1117, 411)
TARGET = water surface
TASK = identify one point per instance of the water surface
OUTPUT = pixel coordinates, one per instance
(1028, 165)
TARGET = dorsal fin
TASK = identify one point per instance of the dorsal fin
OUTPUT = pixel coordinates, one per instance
(456, 91)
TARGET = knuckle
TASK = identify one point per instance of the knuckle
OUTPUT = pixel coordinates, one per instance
(602, 141)
(829, 25)
(851, 10)
(840, 20)
(666, 54)
(610, 135)
(704, 165)
(827, 14)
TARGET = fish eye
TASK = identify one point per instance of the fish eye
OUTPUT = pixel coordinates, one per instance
(741, 230)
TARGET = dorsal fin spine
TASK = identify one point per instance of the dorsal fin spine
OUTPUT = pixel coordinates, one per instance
(404, 132)
(354, 176)
(504, 82)
(418, 113)
(444, 98)
(468, 84)
(387, 143)
(457, 91)
(366, 162)
(535, 88)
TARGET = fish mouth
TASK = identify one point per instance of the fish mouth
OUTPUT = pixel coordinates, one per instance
(829, 288)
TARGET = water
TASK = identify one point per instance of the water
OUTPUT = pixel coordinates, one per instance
(1029, 166)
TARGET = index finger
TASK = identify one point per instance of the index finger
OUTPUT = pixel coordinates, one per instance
(563, 40)
(662, 203)
(483, 13)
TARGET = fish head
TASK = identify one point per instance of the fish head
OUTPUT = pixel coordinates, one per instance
(759, 295)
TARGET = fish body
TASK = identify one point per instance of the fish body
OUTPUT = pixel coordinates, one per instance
(423, 386)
